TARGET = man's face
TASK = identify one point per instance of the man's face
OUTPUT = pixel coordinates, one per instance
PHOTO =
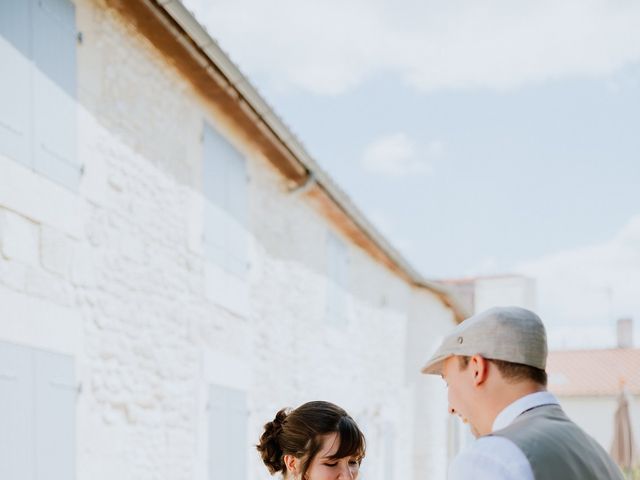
(460, 390)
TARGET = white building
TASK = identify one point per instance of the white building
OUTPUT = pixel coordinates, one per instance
(483, 292)
(174, 267)
(588, 382)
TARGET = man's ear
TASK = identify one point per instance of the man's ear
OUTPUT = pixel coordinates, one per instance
(480, 369)
(292, 464)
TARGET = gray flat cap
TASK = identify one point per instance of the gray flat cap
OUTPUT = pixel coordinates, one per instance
(512, 334)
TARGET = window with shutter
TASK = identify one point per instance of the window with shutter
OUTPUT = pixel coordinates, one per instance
(54, 56)
(225, 189)
(55, 400)
(37, 96)
(337, 280)
(15, 81)
(228, 444)
(37, 414)
(16, 415)
(389, 451)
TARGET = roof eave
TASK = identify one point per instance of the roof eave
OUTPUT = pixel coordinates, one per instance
(300, 166)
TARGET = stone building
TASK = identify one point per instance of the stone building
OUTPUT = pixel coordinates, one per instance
(175, 267)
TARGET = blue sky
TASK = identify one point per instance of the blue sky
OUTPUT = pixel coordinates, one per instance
(479, 138)
(517, 174)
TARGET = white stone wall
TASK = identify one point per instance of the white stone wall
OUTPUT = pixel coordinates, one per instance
(428, 323)
(114, 275)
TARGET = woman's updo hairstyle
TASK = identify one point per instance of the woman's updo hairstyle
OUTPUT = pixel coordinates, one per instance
(297, 432)
(269, 446)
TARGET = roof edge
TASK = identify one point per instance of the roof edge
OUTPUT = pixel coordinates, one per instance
(199, 35)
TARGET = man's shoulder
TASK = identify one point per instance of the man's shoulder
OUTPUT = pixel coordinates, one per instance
(490, 447)
(491, 458)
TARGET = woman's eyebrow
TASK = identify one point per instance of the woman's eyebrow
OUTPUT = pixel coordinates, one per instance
(328, 456)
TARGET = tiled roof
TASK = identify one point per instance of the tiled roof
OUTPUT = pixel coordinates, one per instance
(594, 372)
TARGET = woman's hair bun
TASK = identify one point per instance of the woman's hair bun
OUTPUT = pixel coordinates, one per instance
(269, 446)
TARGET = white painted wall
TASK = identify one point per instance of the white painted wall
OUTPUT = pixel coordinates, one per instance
(595, 415)
(114, 275)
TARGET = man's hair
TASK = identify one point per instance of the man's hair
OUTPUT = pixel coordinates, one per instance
(512, 372)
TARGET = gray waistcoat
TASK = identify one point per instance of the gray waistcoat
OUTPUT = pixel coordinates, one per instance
(557, 448)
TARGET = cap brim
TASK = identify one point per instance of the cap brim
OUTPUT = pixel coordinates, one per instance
(435, 364)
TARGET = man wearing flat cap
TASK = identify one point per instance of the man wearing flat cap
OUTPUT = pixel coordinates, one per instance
(494, 366)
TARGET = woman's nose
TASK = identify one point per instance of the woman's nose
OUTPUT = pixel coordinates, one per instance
(346, 474)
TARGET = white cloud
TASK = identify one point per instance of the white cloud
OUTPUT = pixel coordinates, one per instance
(591, 286)
(331, 46)
(398, 155)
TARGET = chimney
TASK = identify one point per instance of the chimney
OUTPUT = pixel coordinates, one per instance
(625, 332)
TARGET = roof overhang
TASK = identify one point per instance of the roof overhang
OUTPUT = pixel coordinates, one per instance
(173, 30)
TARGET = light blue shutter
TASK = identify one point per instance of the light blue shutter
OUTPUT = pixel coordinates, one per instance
(237, 206)
(215, 193)
(55, 401)
(389, 451)
(37, 414)
(228, 446)
(225, 188)
(16, 413)
(15, 80)
(54, 55)
(337, 279)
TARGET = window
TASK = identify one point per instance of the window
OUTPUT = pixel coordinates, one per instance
(225, 189)
(389, 438)
(228, 444)
(225, 213)
(37, 87)
(337, 280)
(37, 414)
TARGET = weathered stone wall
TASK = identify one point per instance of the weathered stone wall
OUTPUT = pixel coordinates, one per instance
(114, 275)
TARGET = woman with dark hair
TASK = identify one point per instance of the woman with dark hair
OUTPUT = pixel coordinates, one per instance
(316, 441)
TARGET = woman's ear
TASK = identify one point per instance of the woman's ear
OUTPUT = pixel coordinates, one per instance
(292, 464)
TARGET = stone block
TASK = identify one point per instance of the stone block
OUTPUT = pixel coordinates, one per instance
(56, 251)
(18, 238)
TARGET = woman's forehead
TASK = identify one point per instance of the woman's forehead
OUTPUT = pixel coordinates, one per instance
(330, 444)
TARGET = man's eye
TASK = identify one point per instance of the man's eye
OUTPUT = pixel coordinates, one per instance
(331, 464)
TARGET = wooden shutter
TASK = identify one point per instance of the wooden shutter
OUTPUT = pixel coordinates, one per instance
(16, 413)
(15, 80)
(214, 192)
(389, 451)
(337, 279)
(55, 401)
(236, 238)
(37, 414)
(225, 188)
(54, 84)
(228, 445)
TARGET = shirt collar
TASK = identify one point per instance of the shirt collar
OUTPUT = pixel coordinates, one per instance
(509, 414)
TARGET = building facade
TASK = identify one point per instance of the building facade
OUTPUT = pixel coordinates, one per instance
(174, 268)
(588, 383)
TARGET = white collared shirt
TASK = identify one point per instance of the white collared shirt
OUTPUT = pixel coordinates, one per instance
(496, 458)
